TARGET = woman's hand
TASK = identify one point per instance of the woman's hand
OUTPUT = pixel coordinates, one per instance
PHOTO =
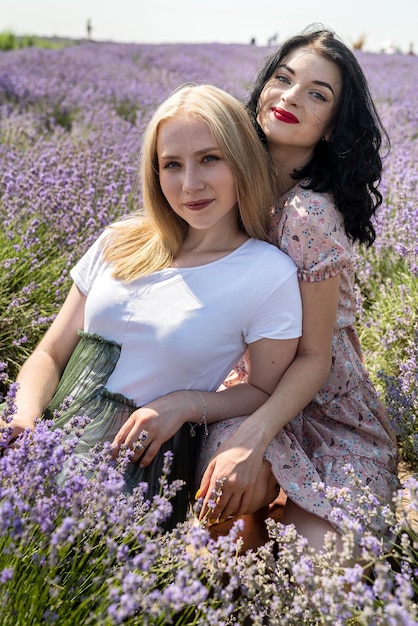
(153, 424)
(16, 427)
(242, 475)
(39, 376)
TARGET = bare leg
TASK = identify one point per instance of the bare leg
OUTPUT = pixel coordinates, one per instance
(314, 529)
(277, 507)
(254, 534)
(311, 526)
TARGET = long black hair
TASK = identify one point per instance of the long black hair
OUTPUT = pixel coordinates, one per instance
(349, 166)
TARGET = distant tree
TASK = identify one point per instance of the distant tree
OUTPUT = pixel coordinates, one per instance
(7, 41)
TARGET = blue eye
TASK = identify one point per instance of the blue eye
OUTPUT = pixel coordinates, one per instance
(282, 78)
(319, 96)
(210, 157)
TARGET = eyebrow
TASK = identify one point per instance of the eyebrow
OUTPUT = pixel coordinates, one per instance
(197, 153)
(315, 82)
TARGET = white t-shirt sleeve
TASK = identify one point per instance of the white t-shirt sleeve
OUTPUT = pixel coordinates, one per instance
(279, 316)
(89, 266)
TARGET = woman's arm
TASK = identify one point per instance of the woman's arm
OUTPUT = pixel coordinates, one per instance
(163, 417)
(40, 374)
(309, 371)
(241, 456)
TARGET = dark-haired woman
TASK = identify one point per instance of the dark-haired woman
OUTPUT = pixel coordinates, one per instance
(313, 111)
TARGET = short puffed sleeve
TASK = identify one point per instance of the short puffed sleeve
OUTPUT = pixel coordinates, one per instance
(308, 227)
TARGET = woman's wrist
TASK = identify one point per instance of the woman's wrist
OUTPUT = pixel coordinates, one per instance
(187, 403)
(256, 431)
(203, 417)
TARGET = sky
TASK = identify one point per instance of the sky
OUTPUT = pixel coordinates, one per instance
(381, 23)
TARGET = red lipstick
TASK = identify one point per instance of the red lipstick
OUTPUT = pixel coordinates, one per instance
(284, 116)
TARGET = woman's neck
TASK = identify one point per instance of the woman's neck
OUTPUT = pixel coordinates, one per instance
(200, 249)
(285, 162)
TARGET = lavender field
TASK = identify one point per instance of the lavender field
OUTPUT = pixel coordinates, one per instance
(70, 132)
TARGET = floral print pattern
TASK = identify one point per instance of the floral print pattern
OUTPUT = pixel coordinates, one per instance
(345, 423)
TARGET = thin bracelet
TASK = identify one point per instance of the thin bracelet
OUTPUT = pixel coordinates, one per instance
(203, 419)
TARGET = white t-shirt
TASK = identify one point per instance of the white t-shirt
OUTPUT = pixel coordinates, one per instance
(186, 328)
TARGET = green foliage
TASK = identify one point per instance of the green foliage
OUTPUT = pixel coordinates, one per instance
(390, 317)
(29, 294)
(10, 41)
(375, 267)
(85, 562)
(7, 41)
(60, 116)
(127, 110)
(388, 332)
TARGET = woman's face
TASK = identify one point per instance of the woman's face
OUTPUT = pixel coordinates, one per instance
(298, 103)
(195, 178)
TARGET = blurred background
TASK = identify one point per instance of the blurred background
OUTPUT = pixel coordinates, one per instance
(372, 25)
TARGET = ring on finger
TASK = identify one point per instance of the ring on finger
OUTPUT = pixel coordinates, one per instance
(139, 444)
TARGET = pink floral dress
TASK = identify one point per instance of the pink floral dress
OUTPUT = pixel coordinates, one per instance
(345, 423)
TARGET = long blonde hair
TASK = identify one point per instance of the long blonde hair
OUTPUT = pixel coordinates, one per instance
(149, 240)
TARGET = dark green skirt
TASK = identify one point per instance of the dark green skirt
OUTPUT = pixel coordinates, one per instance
(84, 379)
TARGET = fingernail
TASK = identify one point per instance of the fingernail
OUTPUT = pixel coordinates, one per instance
(197, 494)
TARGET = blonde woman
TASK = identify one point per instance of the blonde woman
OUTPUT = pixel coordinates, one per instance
(171, 297)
